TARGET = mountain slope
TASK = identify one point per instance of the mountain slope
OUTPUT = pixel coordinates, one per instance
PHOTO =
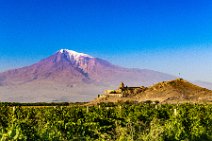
(67, 69)
(57, 67)
(71, 67)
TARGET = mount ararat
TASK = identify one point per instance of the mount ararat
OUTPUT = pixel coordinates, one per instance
(70, 76)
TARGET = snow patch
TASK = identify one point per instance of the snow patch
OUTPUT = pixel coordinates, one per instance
(74, 54)
(79, 59)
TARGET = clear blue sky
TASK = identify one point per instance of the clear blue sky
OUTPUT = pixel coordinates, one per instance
(172, 36)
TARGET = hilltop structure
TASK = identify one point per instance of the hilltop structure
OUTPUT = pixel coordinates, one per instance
(123, 91)
(174, 91)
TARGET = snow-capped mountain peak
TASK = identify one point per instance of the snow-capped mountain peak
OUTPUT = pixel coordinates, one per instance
(74, 54)
(77, 59)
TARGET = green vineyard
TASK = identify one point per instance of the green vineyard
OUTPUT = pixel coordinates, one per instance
(107, 122)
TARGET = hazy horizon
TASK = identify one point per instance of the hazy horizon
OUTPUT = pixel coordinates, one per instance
(167, 36)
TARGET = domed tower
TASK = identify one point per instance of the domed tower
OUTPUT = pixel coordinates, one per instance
(121, 85)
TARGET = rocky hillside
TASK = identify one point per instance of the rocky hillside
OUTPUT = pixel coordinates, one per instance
(174, 91)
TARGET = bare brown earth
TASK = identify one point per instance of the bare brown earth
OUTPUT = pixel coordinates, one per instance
(175, 91)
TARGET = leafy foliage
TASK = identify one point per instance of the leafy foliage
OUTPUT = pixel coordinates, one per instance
(108, 121)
